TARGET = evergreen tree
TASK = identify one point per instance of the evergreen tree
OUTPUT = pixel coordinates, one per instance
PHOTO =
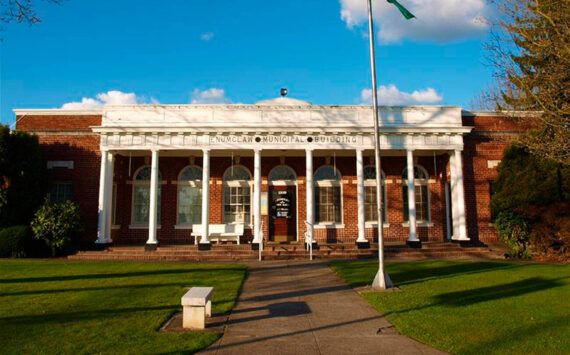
(22, 177)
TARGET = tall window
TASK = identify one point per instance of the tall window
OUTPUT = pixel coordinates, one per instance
(328, 195)
(61, 191)
(237, 195)
(421, 183)
(370, 210)
(190, 196)
(141, 196)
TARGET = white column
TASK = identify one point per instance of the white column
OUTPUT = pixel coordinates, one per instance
(360, 197)
(153, 205)
(310, 196)
(257, 197)
(459, 198)
(205, 197)
(109, 197)
(102, 237)
(453, 200)
(411, 197)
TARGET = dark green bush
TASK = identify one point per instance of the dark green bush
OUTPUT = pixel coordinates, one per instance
(531, 199)
(19, 242)
(514, 231)
(23, 182)
(57, 224)
(525, 180)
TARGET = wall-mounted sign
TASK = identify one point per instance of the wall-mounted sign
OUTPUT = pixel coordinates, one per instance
(281, 139)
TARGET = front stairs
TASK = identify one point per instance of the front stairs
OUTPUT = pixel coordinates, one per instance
(293, 251)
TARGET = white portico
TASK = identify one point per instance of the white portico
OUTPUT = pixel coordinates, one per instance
(279, 129)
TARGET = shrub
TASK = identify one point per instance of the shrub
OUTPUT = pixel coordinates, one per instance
(18, 242)
(550, 233)
(514, 231)
(57, 224)
(531, 199)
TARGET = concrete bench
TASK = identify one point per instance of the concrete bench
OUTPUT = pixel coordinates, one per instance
(196, 306)
(219, 232)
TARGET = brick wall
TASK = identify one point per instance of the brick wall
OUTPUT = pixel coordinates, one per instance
(70, 138)
(486, 142)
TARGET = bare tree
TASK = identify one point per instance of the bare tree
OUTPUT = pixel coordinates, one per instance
(529, 50)
(21, 11)
(488, 99)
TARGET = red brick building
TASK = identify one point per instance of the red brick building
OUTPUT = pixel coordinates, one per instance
(282, 170)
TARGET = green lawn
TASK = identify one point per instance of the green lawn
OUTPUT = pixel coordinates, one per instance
(474, 307)
(65, 307)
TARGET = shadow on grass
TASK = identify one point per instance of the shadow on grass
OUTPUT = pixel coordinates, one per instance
(114, 275)
(490, 293)
(415, 272)
(537, 330)
(415, 275)
(68, 317)
(114, 287)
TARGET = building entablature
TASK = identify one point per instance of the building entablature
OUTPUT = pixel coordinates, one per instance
(279, 116)
(260, 127)
(264, 140)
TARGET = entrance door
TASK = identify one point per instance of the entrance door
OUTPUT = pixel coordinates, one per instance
(283, 218)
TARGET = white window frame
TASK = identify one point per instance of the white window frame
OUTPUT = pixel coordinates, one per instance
(329, 183)
(192, 183)
(238, 183)
(135, 183)
(372, 183)
(419, 183)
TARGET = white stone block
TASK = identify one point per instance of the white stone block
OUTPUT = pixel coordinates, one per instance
(197, 305)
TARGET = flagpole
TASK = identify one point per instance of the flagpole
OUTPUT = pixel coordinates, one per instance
(382, 280)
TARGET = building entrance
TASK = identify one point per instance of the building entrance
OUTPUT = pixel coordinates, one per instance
(283, 214)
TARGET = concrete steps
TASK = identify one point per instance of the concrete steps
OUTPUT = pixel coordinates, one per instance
(229, 252)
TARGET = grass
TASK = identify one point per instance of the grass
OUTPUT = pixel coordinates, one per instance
(66, 307)
(474, 307)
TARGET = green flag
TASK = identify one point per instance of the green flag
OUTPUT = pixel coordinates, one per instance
(407, 14)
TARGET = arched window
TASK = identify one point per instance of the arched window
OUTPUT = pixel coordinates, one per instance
(141, 196)
(421, 183)
(328, 195)
(237, 195)
(370, 209)
(190, 196)
(282, 173)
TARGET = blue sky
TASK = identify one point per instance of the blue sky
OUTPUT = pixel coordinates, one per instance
(91, 52)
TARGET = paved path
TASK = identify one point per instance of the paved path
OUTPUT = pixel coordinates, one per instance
(304, 308)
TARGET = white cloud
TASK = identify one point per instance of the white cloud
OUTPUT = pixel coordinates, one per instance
(209, 96)
(85, 104)
(207, 36)
(105, 98)
(437, 20)
(391, 96)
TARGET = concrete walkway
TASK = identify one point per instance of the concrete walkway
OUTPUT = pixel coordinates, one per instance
(304, 308)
